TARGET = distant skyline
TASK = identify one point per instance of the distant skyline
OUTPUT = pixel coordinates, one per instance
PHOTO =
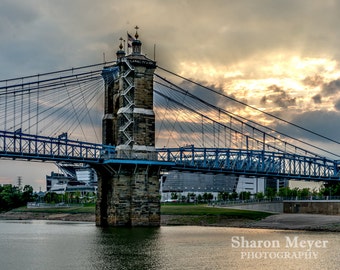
(281, 56)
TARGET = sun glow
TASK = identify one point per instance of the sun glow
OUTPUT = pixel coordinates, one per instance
(279, 85)
(274, 77)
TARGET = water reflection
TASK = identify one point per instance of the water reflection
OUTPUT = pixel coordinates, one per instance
(126, 248)
(41, 245)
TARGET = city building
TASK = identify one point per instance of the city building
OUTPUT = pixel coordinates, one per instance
(57, 181)
(184, 183)
(72, 178)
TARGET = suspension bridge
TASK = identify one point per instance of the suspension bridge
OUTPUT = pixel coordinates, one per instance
(194, 134)
(58, 117)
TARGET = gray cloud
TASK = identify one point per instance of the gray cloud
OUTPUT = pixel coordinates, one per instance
(337, 105)
(314, 80)
(205, 94)
(317, 99)
(331, 88)
(322, 122)
(209, 93)
(279, 97)
(15, 17)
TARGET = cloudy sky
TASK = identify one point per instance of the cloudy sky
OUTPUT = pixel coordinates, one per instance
(281, 56)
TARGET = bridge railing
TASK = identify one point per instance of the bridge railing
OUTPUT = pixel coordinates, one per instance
(252, 162)
(26, 146)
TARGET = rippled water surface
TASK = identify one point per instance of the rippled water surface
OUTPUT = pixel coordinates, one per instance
(65, 245)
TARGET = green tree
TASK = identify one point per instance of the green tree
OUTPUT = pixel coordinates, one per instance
(233, 195)
(191, 197)
(52, 197)
(259, 195)
(77, 196)
(222, 196)
(174, 196)
(285, 192)
(270, 193)
(330, 189)
(27, 194)
(244, 195)
(10, 197)
(205, 197)
(303, 193)
(295, 192)
(210, 197)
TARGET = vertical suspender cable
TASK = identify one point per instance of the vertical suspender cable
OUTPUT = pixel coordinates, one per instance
(22, 105)
(6, 108)
(218, 128)
(29, 110)
(203, 132)
(264, 141)
(14, 110)
(37, 111)
(230, 135)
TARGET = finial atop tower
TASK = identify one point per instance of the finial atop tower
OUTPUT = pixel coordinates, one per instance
(136, 44)
(121, 43)
(120, 53)
(136, 35)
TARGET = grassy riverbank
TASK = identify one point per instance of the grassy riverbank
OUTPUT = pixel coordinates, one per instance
(171, 214)
(77, 209)
(204, 210)
(203, 215)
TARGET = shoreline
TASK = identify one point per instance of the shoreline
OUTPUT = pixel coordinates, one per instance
(307, 222)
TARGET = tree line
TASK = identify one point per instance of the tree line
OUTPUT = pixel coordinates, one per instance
(70, 197)
(192, 197)
(329, 190)
(13, 196)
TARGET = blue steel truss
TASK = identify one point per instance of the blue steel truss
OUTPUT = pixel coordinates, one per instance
(252, 163)
(16, 145)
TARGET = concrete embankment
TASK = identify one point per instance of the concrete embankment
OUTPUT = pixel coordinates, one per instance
(271, 207)
(324, 207)
(299, 222)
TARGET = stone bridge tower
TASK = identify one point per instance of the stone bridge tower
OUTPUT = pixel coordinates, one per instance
(128, 185)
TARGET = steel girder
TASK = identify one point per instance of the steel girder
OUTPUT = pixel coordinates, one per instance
(252, 162)
(30, 147)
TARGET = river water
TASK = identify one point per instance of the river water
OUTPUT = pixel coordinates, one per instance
(72, 245)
